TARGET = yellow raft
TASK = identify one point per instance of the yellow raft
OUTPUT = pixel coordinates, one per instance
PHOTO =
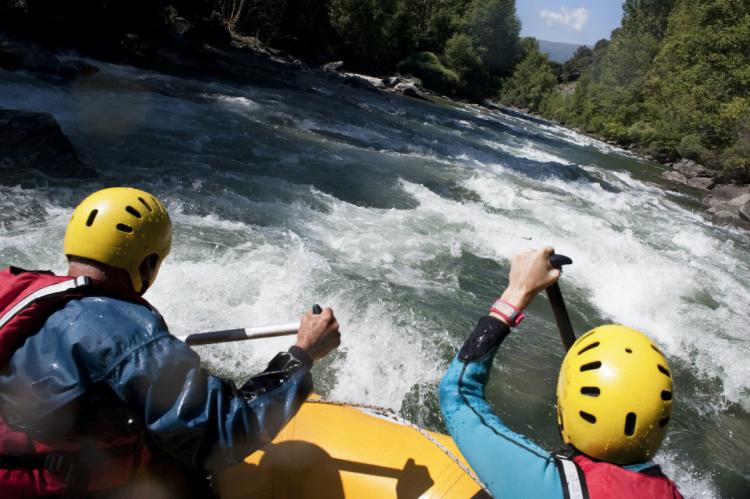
(330, 450)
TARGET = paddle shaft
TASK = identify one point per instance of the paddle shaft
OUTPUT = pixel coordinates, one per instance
(564, 326)
(242, 334)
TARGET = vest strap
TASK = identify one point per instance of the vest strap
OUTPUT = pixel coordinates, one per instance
(574, 484)
(45, 292)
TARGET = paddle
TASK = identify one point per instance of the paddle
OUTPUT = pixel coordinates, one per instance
(250, 333)
(554, 294)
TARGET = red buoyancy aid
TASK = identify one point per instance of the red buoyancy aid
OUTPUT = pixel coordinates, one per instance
(585, 478)
(27, 299)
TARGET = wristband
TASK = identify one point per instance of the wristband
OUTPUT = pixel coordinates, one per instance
(507, 311)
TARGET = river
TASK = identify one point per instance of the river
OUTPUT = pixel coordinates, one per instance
(402, 216)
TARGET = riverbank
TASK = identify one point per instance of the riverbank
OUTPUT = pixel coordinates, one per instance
(725, 202)
(209, 50)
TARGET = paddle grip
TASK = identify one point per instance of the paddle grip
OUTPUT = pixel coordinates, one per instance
(316, 309)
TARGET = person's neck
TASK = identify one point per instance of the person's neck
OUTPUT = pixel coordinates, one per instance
(110, 276)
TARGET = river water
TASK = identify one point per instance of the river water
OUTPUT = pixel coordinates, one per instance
(402, 215)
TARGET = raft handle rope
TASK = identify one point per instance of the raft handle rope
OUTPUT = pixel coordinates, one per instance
(391, 414)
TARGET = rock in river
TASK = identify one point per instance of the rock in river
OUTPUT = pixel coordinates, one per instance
(36, 141)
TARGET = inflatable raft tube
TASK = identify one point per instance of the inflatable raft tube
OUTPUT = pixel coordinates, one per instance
(330, 450)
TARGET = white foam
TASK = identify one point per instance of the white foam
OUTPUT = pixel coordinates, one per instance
(237, 103)
(691, 481)
(527, 150)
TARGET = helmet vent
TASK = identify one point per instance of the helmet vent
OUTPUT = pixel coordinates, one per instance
(124, 228)
(144, 203)
(588, 347)
(630, 424)
(92, 216)
(663, 422)
(591, 391)
(659, 351)
(663, 370)
(133, 211)
(591, 366)
(589, 418)
(666, 395)
(629, 350)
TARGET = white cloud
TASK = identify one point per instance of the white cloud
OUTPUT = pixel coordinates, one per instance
(574, 19)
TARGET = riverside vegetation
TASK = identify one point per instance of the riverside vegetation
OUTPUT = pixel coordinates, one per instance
(673, 81)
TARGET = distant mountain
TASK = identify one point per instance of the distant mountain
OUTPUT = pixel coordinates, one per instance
(558, 51)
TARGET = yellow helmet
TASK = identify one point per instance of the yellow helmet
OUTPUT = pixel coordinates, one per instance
(119, 227)
(614, 395)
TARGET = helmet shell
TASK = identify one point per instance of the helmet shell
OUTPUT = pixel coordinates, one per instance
(120, 226)
(614, 395)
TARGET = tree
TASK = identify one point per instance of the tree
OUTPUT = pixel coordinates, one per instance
(466, 60)
(700, 79)
(368, 27)
(533, 80)
(494, 29)
(572, 69)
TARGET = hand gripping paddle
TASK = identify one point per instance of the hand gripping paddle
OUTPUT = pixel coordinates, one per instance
(554, 294)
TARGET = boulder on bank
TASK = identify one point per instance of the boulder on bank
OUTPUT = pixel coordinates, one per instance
(745, 212)
(363, 82)
(674, 176)
(730, 203)
(332, 66)
(727, 203)
(688, 172)
(409, 90)
(704, 183)
(36, 141)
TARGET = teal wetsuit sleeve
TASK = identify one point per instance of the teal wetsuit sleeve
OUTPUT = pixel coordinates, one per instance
(509, 464)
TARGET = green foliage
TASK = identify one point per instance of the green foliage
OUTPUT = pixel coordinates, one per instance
(691, 147)
(465, 60)
(494, 29)
(532, 82)
(736, 159)
(700, 80)
(386, 31)
(641, 133)
(427, 67)
(372, 28)
(572, 69)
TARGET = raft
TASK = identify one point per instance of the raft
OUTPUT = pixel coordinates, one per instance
(331, 450)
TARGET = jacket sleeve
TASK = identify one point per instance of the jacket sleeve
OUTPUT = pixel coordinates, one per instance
(199, 419)
(509, 464)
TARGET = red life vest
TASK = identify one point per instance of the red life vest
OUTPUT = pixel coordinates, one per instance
(34, 468)
(585, 478)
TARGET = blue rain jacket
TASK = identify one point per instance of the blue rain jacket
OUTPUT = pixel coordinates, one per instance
(508, 463)
(101, 367)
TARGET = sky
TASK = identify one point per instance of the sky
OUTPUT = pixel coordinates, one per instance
(582, 22)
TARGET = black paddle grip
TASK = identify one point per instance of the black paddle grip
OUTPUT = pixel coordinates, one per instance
(557, 261)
